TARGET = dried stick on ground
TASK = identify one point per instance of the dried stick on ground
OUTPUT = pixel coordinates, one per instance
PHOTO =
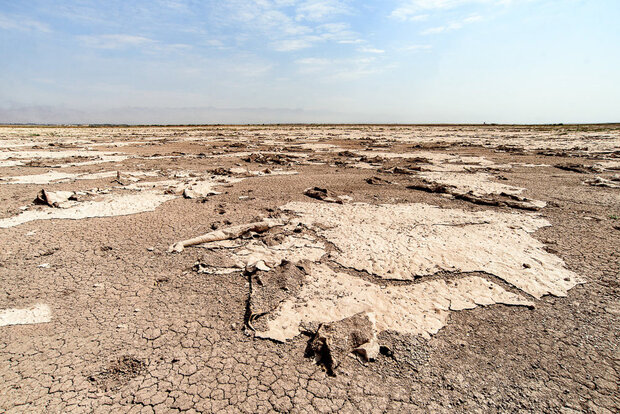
(225, 234)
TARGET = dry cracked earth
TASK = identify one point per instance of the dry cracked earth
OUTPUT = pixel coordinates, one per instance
(310, 269)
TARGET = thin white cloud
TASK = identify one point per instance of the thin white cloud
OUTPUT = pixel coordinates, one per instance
(416, 10)
(289, 25)
(290, 45)
(345, 69)
(22, 24)
(337, 32)
(351, 42)
(456, 25)
(370, 50)
(317, 10)
(125, 41)
(115, 41)
(416, 48)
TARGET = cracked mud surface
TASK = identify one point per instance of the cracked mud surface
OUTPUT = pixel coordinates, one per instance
(136, 329)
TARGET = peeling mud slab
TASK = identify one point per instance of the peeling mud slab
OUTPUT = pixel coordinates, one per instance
(112, 205)
(423, 308)
(477, 183)
(478, 188)
(405, 241)
(268, 289)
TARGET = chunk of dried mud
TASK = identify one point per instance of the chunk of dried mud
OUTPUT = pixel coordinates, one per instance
(334, 341)
(477, 183)
(56, 199)
(377, 181)
(321, 194)
(221, 171)
(405, 241)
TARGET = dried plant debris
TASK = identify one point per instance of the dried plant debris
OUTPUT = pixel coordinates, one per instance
(118, 373)
(39, 313)
(405, 241)
(263, 253)
(422, 308)
(226, 234)
(257, 254)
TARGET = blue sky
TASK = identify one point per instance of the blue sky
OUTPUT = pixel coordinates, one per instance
(190, 61)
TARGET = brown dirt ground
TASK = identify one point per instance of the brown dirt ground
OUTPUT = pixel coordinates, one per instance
(136, 330)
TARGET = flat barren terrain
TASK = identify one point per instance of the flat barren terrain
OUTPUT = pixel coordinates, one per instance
(310, 269)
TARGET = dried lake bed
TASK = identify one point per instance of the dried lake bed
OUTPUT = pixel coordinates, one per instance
(304, 268)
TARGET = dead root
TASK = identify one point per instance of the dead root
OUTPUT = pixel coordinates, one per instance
(227, 234)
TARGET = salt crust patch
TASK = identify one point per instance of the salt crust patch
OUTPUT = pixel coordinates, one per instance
(320, 146)
(152, 195)
(420, 309)
(53, 154)
(404, 241)
(112, 205)
(39, 313)
(101, 157)
(10, 163)
(55, 176)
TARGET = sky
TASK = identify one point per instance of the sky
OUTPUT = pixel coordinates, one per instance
(269, 61)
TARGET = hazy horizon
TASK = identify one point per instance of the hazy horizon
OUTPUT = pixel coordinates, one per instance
(310, 61)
